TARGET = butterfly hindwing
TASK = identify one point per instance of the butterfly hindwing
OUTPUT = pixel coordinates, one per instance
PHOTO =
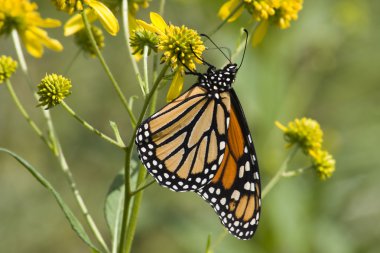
(182, 144)
(235, 191)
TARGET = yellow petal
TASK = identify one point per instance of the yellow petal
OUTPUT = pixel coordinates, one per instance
(228, 7)
(43, 37)
(76, 24)
(105, 16)
(47, 23)
(260, 32)
(175, 87)
(32, 44)
(148, 27)
(158, 21)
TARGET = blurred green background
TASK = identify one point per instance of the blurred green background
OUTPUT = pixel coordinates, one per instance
(326, 66)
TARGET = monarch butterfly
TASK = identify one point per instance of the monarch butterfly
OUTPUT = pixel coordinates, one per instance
(201, 142)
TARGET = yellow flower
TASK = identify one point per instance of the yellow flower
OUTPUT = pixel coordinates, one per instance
(282, 11)
(96, 11)
(53, 89)
(304, 132)
(21, 15)
(287, 11)
(323, 163)
(7, 67)
(181, 47)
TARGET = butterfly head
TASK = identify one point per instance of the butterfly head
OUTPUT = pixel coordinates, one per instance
(219, 79)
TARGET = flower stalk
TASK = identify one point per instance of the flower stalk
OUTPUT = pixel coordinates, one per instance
(90, 127)
(107, 69)
(128, 151)
(280, 172)
(56, 148)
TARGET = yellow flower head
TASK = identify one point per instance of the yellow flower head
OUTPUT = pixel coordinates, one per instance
(21, 15)
(287, 11)
(323, 163)
(304, 132)
(281, 12)
(83, 41)
(7, 67)
(68, 6)
(53, 89)
(97, 10)
(181, 47)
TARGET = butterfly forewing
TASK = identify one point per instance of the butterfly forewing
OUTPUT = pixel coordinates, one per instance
(235, 192)
(183, 144)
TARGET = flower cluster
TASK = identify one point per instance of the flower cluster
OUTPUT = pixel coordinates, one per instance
(307, 134)
(22, 16)
(53, 89)
(7, 67)
(182, 48)
(280, 12)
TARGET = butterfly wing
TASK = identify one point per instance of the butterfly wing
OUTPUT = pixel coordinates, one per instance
(235, 191)
(183, 144)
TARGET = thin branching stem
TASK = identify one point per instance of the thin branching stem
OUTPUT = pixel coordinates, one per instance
(25, 114)
(107, 69)
(140, 188)
(56, 148)
(129, 49)
(90, 127)
(296, 172)
(279, 173)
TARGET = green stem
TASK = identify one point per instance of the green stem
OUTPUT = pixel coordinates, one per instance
(107, 70)
(128, 154)
(241, 45)
(226, 19)
(135, 211)
(79, 199)
(138, 188)
(296, 172)
(127, 41)
(26, 115)
(279, 173)
(56, 148)
(89, 127)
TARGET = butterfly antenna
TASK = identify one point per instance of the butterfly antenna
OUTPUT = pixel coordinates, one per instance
(245, 47)
(199, 58)
(204, 35)
(191, 72)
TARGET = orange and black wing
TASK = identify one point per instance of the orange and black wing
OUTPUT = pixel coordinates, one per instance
(235, 191)
(183, 144)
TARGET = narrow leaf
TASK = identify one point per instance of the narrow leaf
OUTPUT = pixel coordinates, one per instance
(74, 222)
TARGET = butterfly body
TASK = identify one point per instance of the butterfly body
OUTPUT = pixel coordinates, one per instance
(201, 142)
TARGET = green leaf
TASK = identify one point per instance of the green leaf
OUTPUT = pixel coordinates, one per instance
(113, 208)
(74, 222)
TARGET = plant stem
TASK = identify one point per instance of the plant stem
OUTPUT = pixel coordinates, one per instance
(138, 189)
(26, 115)
(107, 70)
(135, 211)
(56, 148)
(127, 41)
(89, 127)
(79, 199)
(279, 173)
(296, 172)
(128, 154)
